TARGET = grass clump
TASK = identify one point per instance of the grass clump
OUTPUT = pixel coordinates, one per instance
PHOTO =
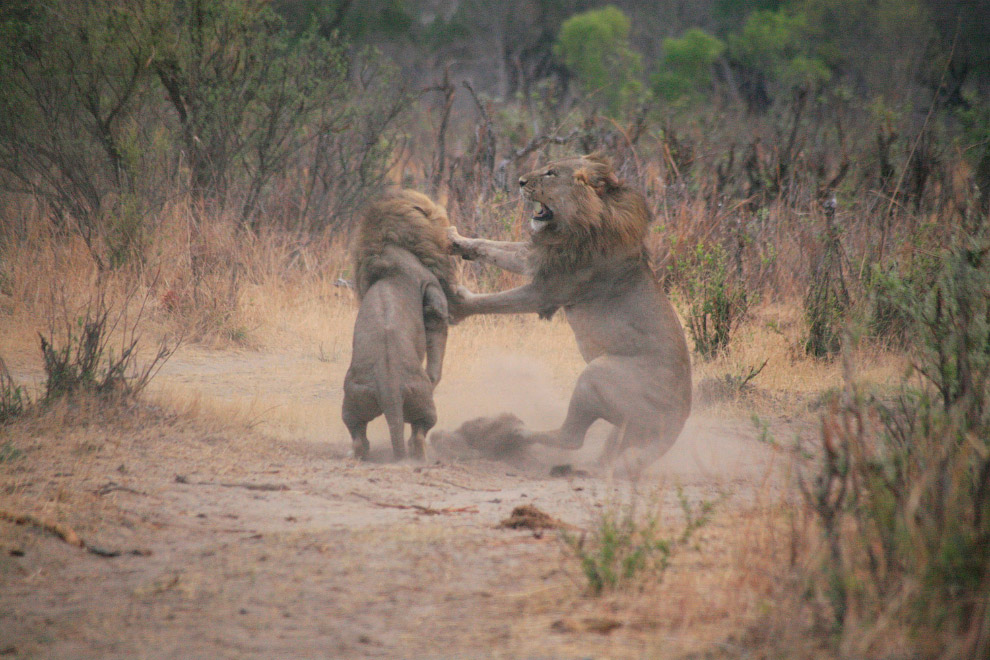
(626, 548)
(13, 399)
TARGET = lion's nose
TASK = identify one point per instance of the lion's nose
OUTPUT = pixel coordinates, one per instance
(522, 181)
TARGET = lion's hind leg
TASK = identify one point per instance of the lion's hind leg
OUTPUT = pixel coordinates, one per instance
(598, 394)
(421, 413)
(360, 407)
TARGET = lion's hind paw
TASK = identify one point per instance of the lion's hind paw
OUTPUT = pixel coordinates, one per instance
(496, 436)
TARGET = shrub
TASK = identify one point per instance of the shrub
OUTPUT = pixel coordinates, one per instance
(716, 302)
(827, 299)
(13, 398)
(625, 547)
(902, 493)
(80, 356)
(107, 112)
(686, 67)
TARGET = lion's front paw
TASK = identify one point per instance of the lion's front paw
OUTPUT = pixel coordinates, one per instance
(457, 304)
(459, 245)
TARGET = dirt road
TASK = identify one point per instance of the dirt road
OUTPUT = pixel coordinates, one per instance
(262, 539)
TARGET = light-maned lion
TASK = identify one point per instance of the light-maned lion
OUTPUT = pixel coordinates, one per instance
(587, 255)
(402, 269)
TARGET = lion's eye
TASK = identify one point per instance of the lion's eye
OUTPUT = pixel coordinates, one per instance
(551, 173)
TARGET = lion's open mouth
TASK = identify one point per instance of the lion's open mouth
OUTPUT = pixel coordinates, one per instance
(541, 217)
(542, 213)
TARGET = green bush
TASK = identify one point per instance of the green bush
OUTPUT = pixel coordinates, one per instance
(594, 46)
(619, 550)
(625, 547)
(13, 399)
(903, 489)
(716, 301)
(686, 66)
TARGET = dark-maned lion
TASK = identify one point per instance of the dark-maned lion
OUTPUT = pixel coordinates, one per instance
(402, 269)
(587, 255)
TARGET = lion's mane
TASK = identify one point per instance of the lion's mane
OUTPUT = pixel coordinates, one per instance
(405, 219)
(607, 220)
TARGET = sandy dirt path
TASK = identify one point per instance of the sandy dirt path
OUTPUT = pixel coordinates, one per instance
(271, 543)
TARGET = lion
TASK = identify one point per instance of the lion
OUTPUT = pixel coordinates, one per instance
(587, 255)
(402, 273)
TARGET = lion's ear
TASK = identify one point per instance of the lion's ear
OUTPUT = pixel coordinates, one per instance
(601, 183)
(599, 158)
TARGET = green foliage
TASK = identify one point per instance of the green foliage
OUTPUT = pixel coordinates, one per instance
(391, 18)
(13, 399)
(716, 301)
(626, 548)
(242, 89)
(594, 46)
(773, 43)
(891, 285)
(914, 476)
(619, 550)
(734, 12)
(768, 39)
(8, 452)
(685, 68)
(975, 141)
(108, 110)
(825, 309)
(74, 79)
(827, 300)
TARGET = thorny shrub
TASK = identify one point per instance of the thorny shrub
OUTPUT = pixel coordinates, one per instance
(716, 301)
(902, 493)
(94, 350)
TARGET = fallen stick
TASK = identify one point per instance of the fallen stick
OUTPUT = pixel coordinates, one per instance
(67, 534)
(181, 479)
(111, 486)
(418, 508)
(438, 480)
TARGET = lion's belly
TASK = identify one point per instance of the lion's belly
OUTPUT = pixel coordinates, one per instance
(635, 320)
(600, 329)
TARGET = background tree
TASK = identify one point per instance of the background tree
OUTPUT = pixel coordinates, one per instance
(594, 46)
(75, 76)
(686, 66)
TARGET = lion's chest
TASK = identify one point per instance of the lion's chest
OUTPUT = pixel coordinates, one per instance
(594, 331)
(621, 319)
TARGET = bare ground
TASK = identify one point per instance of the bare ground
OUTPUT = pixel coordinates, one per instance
(261, 539)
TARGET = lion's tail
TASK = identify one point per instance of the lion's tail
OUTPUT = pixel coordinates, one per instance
(390, 400)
